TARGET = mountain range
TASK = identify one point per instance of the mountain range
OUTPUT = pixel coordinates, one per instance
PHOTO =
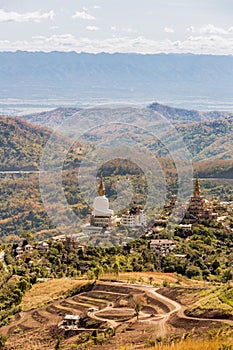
(206, 138)
(60, 75)
(176, 116)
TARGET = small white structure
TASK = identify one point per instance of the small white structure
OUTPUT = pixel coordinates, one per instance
(28, 248)
(134, 217)
(59, 238)
(185, 227)
(70, 322)
(180, 256)
(162, 245)
(19, 250)
(43, 246)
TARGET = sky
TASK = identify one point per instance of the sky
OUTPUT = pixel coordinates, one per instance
(142, 26)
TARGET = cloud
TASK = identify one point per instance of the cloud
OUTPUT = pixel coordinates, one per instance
(83, 15)
(96, 7)
(92, 28)
(130, 30)
(191, 29)
(196, 44)
(123, 30)
(169, 30)
(210, 29)
(36, 16)
(54, 27)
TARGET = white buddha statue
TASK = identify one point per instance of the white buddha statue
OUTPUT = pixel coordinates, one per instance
(101, 203)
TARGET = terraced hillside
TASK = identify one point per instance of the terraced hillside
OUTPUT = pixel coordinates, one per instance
(37, 329)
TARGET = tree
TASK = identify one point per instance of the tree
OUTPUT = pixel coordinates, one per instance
(227, 275)
(193, 271)
(17, 296)
(24, 284)
(98, 271)
(151, 279)
(116, 269)
(137, 302)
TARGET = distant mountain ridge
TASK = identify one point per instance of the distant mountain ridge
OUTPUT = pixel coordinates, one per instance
(207, 135)
(40, 75)
(181, 115)
(176, 116)
(21, 143)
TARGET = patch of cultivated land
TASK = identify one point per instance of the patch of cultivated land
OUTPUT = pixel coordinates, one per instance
(154, 278)
(160, 315)
(215, 302)
(45, 292)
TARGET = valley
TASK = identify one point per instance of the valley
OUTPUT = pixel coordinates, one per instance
(116, 175)
(140, 296)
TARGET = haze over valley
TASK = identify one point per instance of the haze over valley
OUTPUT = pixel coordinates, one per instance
(202, 82)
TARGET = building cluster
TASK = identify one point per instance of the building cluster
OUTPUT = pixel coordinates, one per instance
(198, 210)
(102, 217)
(71, 242)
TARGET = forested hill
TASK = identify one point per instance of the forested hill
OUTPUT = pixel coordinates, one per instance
(207, 135)
(185, 116)
(21, 143)
(209, 140)
(176, 116)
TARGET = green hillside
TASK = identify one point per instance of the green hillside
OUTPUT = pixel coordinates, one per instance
(21, 144)
(209, 140)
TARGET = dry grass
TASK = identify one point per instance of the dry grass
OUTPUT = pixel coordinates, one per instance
(45, 292)
(190, 345)
(151, 277)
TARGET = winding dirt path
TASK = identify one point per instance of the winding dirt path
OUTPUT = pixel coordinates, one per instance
(95, 316)
(164, 308)
(173, 306)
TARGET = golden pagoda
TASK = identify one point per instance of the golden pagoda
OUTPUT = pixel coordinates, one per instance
(199, 209)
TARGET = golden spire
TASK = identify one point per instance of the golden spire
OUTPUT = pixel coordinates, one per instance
(196, 190)
(101, 189)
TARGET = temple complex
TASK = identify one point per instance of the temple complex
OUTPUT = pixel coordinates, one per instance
(199, 209)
